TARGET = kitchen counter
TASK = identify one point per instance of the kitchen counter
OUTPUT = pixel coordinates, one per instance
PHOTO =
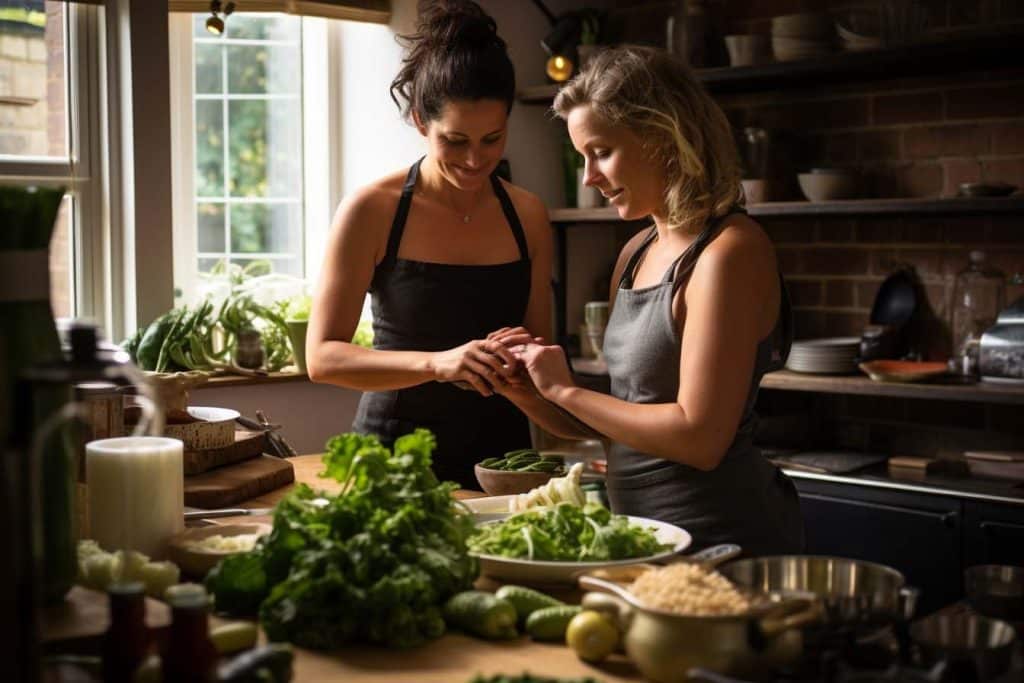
(453, 658)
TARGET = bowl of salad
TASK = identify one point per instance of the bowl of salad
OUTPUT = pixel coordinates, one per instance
(554, 533)
(557, 544)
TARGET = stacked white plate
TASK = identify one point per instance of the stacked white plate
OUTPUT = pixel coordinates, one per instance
(827, 356)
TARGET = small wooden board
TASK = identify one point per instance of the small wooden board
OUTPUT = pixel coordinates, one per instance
(77, 625)
(247, 445)
(226, 486)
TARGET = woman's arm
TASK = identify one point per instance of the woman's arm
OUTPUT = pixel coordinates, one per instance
(729, 309)
(353, 251)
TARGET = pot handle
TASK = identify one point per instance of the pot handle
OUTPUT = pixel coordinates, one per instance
(788, 614)
(619, 610)
(715, 555)
(908, 602)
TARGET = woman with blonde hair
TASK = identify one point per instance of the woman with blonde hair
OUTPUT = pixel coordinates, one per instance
(698, 312)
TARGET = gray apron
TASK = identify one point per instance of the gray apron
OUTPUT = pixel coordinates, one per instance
(745, 500)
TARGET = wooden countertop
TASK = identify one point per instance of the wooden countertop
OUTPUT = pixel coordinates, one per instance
(453, 658)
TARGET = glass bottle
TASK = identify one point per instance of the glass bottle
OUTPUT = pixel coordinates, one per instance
(978, 297)
(126, 642)
(189, 656)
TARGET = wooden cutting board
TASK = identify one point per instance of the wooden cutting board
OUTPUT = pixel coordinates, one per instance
(225, 486)
(78, 624)
(247, 445)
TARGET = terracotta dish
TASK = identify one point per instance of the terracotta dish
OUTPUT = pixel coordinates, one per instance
(902, 370)
(197, 561)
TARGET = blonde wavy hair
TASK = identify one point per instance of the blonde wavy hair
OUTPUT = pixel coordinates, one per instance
(658, 97)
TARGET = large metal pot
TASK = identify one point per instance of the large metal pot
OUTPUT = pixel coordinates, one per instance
(665, 646)
(854, 593)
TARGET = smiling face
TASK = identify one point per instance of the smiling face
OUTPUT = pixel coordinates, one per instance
(467, 140)
(618, 165)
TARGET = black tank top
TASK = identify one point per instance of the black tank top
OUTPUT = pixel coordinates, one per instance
(425, 306)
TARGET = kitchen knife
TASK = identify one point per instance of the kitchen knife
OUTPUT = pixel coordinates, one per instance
(228, 512)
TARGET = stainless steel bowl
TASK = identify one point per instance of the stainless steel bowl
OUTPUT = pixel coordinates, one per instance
(996, 590)
(976, 648)
(854, 593)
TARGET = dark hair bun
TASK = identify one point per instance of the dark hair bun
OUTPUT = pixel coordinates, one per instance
(455, 54)
(457, 24)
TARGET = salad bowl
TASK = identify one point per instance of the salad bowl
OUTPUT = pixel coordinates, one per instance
(522, 570)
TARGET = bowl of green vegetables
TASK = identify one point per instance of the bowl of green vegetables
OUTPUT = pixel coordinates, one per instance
(518, 471)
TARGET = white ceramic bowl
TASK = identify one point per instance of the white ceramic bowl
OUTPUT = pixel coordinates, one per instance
(804, 25)
(822, 187)
(536, 571)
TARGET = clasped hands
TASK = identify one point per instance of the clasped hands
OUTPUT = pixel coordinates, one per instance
(510, 361)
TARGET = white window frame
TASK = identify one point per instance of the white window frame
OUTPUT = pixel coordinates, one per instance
(321, 148)
(82, 173)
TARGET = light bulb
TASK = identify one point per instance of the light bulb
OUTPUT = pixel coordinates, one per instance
(559, 68)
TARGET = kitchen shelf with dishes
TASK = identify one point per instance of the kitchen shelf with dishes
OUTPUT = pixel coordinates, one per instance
(840, 207)
(937, 57)
(788, 380)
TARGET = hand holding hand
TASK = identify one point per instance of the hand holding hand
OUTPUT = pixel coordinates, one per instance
(481, 363)
(547, 368)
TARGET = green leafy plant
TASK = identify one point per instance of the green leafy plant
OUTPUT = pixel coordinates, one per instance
(374, 563)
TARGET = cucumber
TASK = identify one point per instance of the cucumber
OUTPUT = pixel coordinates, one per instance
(482, 614)
(549, 623)
(526, 600)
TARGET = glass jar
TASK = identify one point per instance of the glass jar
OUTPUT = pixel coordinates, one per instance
(978, 296)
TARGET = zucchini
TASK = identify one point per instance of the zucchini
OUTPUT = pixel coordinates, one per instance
(526, 600)
(482, 614)
(549, 623)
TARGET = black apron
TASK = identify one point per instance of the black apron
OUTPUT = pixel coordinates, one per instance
(420, 306)
(746, 499)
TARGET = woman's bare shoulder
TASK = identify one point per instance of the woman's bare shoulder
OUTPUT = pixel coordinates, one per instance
(527, 204)
(741, 240)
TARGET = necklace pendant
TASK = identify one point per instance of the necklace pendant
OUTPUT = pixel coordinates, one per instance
(465, 219)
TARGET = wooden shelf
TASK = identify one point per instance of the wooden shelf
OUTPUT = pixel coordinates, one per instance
(787, 380)
(845, 207)
(221, 381)
(939, 56)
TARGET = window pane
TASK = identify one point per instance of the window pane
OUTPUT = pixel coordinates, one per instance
(266, 228)
(265, 136)
(33, 81)
(62, 262)
(266, 27)
(210, 223)
(263, 68)
(285, 266)
(209, 68)
(210, 148)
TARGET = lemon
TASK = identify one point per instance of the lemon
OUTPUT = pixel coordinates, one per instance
(592, 636)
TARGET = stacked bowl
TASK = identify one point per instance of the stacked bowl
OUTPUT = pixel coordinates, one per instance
(802, 36)
(826, 356)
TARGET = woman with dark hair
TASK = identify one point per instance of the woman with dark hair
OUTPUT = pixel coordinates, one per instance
(698, 312)
(448, 251)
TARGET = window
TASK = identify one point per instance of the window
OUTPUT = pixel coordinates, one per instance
(36, 144)
(240, 190)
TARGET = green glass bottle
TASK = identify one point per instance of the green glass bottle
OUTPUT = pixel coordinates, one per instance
(30, 340)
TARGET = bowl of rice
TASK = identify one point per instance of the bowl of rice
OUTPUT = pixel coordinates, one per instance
(687, 615)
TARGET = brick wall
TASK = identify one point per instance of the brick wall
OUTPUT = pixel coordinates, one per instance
(23, 74)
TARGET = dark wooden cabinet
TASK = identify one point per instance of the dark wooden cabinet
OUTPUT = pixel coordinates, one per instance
(920, 535)
(994, 533)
